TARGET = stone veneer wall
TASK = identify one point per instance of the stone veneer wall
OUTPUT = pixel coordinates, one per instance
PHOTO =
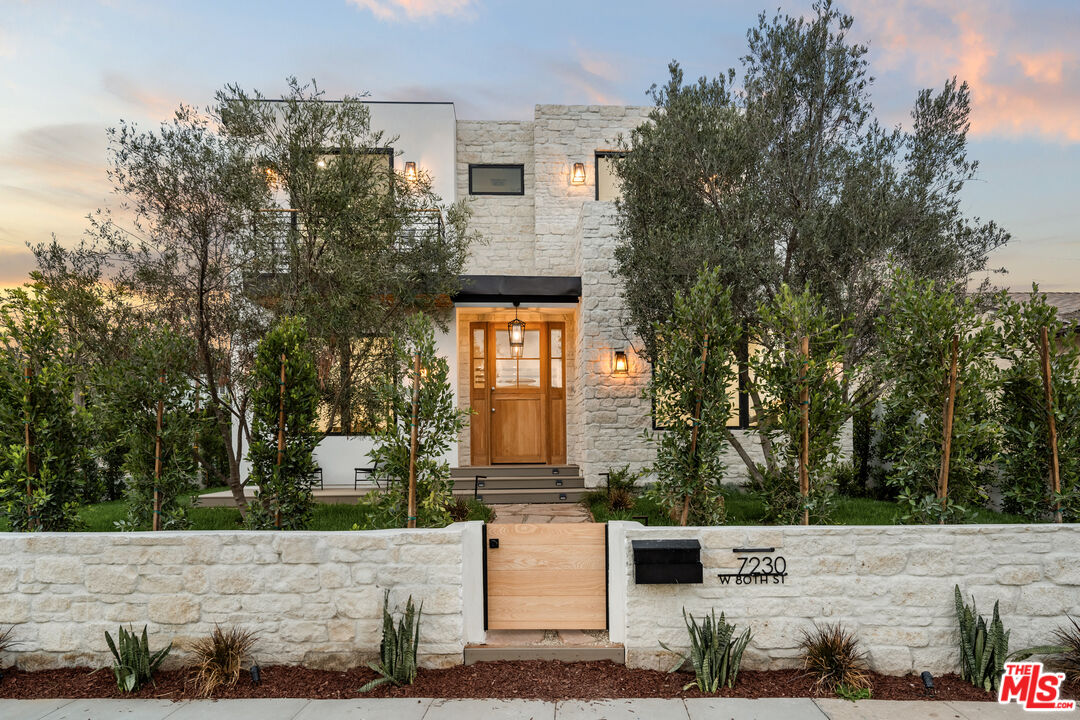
(311, 597)
(892, 585)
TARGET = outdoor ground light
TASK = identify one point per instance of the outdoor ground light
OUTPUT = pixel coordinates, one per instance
(620, 366)
(577, 175)
(256, 676)
(928, 682)
(517, 335)
(321, 163)
(410, 171)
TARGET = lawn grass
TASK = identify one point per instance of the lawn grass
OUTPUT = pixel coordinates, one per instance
(102, 517)
(744, 508)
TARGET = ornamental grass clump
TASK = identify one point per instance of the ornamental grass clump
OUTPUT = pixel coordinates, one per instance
(715, 652)
(833, 656)
(1068, 659)
(134, 664)
(219, 658)
(397, 652)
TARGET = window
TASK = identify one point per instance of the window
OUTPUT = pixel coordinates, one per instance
(740, 417)
(350, 403)
(511, 372)
(496, 179)
(608, 182)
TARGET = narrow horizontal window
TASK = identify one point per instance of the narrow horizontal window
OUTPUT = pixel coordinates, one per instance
(496, 179)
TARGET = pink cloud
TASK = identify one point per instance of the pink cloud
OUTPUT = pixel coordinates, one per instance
(412, 9)
(1023, 67)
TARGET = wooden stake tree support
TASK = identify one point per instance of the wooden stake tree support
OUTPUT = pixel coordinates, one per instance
(685, 515)
(946, 444)
(157, 456)
(30, 519)
(413, 440)
(804, 421)
(1048, 394)
(280, 441)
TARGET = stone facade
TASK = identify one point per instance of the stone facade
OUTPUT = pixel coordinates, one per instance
(312, 598)
(893, 586)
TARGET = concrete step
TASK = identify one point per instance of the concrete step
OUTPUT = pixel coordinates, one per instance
(514, 471)
(528, 483)
(516, 495)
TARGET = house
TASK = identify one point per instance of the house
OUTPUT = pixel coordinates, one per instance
(567, 406)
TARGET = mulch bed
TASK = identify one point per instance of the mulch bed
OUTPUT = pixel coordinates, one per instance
(532, 679)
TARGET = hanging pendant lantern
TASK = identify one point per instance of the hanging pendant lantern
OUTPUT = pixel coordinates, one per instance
(517, 335)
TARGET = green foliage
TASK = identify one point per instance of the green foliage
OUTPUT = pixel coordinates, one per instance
(984, 647)
(846, 692)
(50, 404)
(284, 496)
(831, 654)
(438, 423)
(134, 665)
(715, 653)
(397, 651)
(776, 387)
(1025, 458)
(693, 371)
(916, 336)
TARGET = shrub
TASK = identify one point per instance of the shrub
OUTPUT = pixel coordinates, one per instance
(134, 664)
(1068, 659)
(715, 654)
(464, 509)
(833, 656)
(219, 658)
(621, 479)
(6, 640)
(397, 652)
(984, 647)
(620, 499)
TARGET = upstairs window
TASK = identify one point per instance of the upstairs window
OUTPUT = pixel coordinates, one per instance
(608, 182)
(496, 179)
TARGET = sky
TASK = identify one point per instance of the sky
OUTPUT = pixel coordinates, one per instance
(70, 70)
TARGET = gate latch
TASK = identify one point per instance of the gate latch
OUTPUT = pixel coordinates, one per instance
(493, 543)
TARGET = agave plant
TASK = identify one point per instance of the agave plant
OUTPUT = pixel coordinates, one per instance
(984, 647)
(397, 652)
(135, 664)
(715, 654)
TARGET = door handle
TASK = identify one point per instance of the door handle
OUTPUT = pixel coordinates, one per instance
(492, 409)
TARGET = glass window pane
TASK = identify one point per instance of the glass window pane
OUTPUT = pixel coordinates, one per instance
(532, 344)
(497, 180)
(556, 343)
(556, 373)
(478, 374)
(608, 183)
(502, 343)
(505, 373)
(478, 343)
(529, 373)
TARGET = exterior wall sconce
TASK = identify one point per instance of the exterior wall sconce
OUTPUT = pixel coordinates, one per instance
(620, 367)
(321, 163)
(517, 334)
(410, 171)
(577, 175)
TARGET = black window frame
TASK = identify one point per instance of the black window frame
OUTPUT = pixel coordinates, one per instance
(596, 168)
(497, 166)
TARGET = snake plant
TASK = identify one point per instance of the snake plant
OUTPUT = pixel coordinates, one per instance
(715, 654)
(134, 663)
(984, 647)
(397, 652)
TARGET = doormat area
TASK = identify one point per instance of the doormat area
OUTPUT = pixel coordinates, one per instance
(503, 680)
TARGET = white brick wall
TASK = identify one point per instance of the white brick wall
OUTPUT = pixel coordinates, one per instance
(892, 585)
(312, 598)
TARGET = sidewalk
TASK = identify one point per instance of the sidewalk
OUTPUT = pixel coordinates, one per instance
(376, 709)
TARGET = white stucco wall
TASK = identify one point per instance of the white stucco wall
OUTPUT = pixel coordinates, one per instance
(425, 134)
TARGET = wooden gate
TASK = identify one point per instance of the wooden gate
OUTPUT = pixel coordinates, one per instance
(545, 577)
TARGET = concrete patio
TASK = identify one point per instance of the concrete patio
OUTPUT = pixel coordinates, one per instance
(426, 709)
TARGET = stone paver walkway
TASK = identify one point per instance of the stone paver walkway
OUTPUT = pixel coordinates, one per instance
(416, 709)
(541, 513)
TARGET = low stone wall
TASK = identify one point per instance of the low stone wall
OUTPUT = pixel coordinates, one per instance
(311, 597)
(892, 585)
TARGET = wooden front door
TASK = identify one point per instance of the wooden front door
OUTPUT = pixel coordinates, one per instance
(520, 403)
(546, 577)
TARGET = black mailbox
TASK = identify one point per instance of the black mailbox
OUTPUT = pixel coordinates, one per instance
(658, 562)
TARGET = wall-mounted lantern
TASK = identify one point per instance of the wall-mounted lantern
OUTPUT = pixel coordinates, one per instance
(577, 175)
(517, 334)
(410, 171)
(620, 365)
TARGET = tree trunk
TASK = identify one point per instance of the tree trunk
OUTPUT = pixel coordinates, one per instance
(1048, 392)
(157, 457)
(946, 443)
(804, 435)
(411, 521)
